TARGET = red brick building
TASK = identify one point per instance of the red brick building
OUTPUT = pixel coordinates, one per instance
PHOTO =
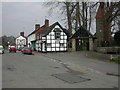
(32, 37)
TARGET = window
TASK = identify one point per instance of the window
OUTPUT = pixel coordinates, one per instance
(57, 35)
(61, 44)
(48, 44)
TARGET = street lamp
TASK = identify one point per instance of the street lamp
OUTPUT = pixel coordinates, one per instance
(8, 42)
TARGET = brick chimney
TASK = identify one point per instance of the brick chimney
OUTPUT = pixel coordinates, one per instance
(37, 26)
(22, 34)
(46, 23)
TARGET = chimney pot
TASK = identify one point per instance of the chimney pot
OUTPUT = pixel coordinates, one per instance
(37, 26)
(46, 22)
(22, 34)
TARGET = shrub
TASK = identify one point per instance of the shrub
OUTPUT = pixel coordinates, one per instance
(117, 60)
(117, 38)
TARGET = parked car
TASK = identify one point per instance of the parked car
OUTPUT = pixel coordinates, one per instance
(1, 49)
(27, 50)
(12, 49)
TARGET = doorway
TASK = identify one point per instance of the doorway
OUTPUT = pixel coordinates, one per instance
(43, 46)
(82, 44)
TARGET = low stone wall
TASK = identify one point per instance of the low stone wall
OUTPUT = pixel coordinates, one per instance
(115, 50)
(101, 56)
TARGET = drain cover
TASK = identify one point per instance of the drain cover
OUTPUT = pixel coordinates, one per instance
(70, 78)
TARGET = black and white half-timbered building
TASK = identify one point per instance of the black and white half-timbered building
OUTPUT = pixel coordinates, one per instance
(52, 39)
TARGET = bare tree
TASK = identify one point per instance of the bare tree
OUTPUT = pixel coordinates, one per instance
(69, 17)
(109, 12)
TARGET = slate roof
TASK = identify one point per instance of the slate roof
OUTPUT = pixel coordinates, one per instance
(22, 36)
(33, 32)
(50, 28)
(82, 33)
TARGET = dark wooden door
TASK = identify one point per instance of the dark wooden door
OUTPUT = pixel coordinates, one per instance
(78, 44)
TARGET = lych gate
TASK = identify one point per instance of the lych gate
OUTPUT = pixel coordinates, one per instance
(82, 39)
(82, 44)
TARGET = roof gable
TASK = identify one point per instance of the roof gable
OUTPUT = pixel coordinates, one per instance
(50, 28)
(20, 37)
(33, 32)
(82, 33)
(57, 30)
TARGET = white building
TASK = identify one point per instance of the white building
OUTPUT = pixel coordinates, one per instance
(21, 41)
(31, 40)
(52, 39)
(32, 37)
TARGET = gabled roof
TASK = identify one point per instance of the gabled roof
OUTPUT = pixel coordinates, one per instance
(82, 33)
(36, 30)
(33, 32)
(21, 36)
(99, 13)
(50, 28)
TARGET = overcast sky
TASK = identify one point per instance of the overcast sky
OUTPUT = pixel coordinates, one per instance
(22, 16)
(0, 18)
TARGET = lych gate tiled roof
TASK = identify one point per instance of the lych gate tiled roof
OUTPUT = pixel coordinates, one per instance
(50, 28)
(82, 33)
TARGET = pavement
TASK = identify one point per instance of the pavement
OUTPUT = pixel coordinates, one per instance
(35, 71)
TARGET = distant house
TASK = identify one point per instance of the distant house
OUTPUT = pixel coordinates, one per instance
(32, 37)
(52, 38)
(21, 41)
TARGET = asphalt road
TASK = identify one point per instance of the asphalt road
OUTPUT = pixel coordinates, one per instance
(35, 71)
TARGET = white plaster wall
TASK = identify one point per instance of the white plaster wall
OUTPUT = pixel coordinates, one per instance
(20, 42)
(61, 49)
(53, 41)
(48, 41)
(53, 45)
(38, 45)
(48, 37)
(53, 49)
(21, 38)
(57, 49)
(31, 38)
(49, 49)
